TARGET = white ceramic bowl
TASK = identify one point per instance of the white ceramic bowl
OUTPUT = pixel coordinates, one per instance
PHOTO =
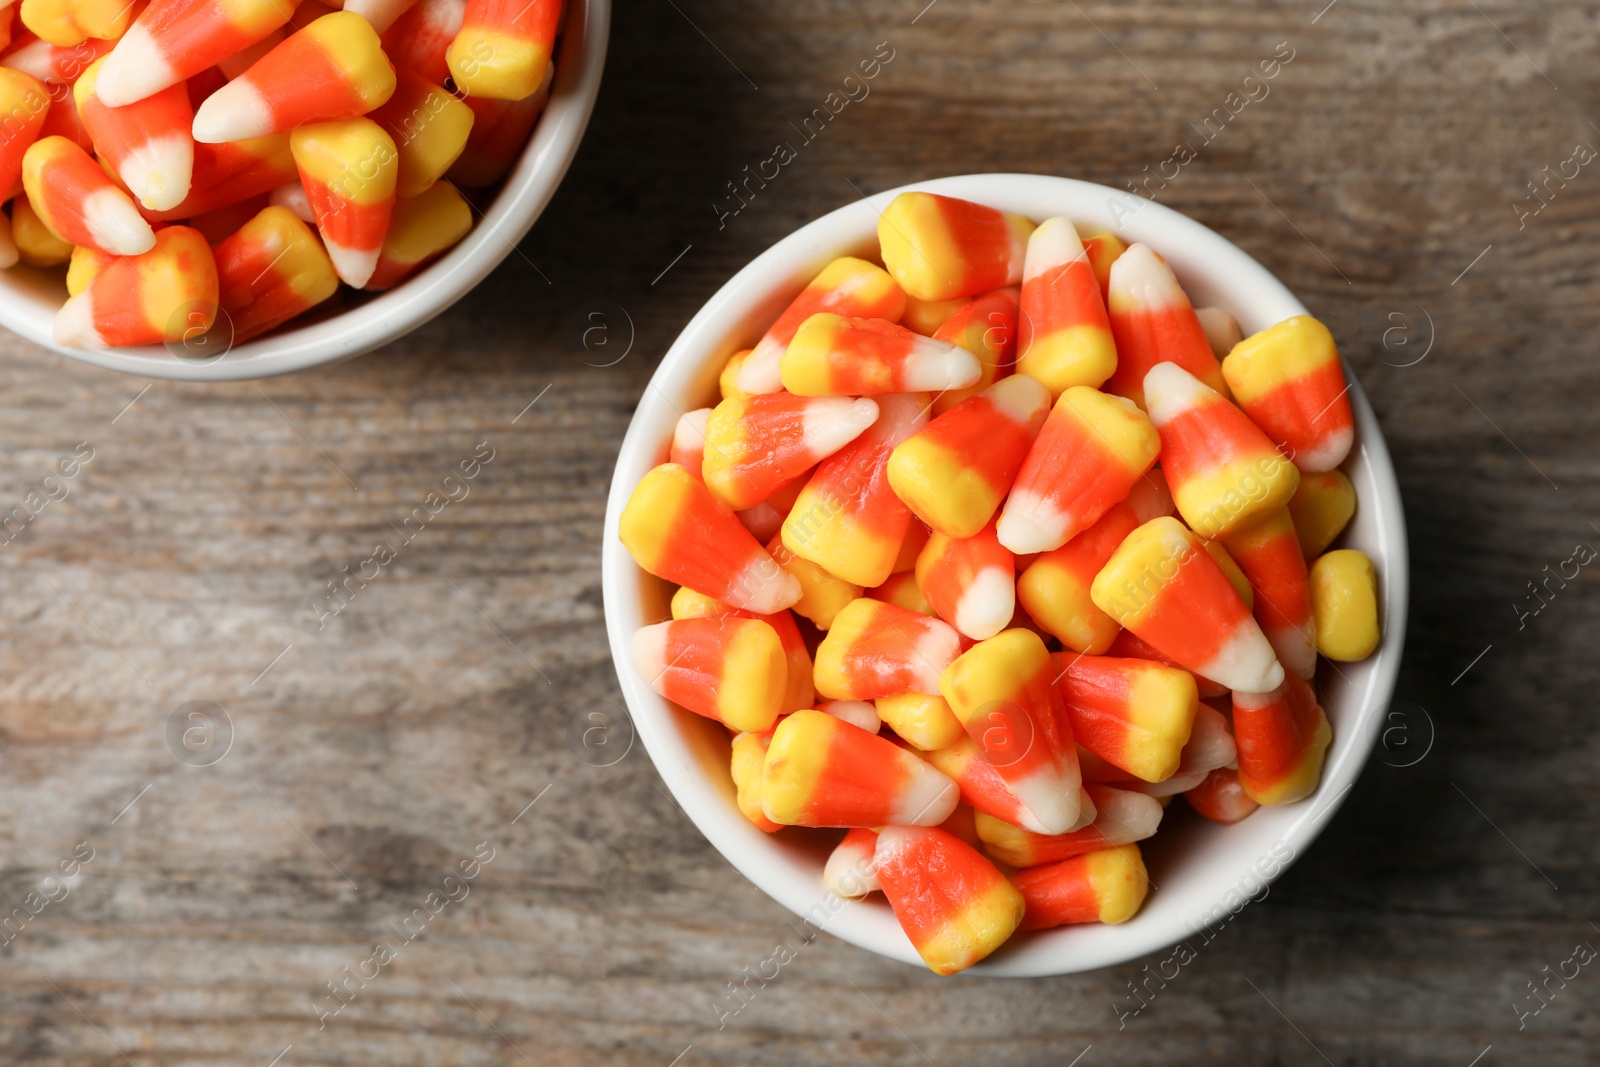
(1195, 866)
(29, 297)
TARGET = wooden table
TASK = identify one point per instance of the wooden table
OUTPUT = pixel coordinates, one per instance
(443, 710)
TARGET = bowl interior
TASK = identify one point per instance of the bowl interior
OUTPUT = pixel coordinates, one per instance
(354, 323)
(1196, 867)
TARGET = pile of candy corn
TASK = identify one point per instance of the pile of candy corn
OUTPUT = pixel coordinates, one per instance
(934, 581)
(205, 161)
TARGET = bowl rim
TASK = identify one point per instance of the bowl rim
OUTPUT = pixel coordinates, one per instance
(783, 268)
(386, 316)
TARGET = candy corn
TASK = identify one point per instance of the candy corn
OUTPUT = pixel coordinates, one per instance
(729, 669)
(381, 13)
(1066, 335)
(833, 355)
(1282, 738)
(799, 692)
(847, 519)
(504, 47)
(333, 69)
(65, 23)
(1000, 690)
(822, 771)
(1054, 588)
(1129, 645)
(754, 445)
(47, 63)
(1153, 322)
(349, 170)
(939, 247)
(1344, 601)
(675, 529)
(172, 40)
(875, 649)
(858, 713)
(500, 130)
(79, 203)
(1291, 383)
(822, 595)
(1222, 333)
(419, 39)
(36, 245)
(1231, 571)
(1121, 818)
(1269, 554)
(1321, 508)
(1223, 471)
(1107, 886)
(922, 720)
(986, 327)
(271, 270)
(1162, 585)
(1134, 714)
(145, 144)
(970, 582)
(1220, 797)
(749, 756)
(166, 294)
(926, 316)
(1150, 498)
(1091, 451)
(225, 174)
(430, 129)
(954, 472)
(689, 442)
(422, 228)
(851, 870)
(24, 102)
(901, 589)
(1103, 249)
(952, 903)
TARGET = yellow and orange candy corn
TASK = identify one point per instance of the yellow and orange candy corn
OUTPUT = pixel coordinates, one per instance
(832, 356)
(799, 692)
(729, 669)
(980, 783)
(847, 519)
(36, 245)
(1223, 471)
(1092, 449)
(146, 144)
(1210, 746)
(921, 720)
(1001, 691)
(822, 594)
(970, 582)
(500, 130)
(173, 40)
(1222, 333)
(955, 472)
(954, 905)
(1054, 588)
(1162, 585)
(1321, 508)
(65, 23)
(1129, 645)
(1066, 335)
(901, 588)
(349, 170)
(79, 203)
(754, 445)
(1282, 738)
(1153, 322)
(271, 270)
(1134, 714)
(986, 327)
(504, 46)
(926, 316)
(1344, 602)
(420, 38)
(430, 129)
(848, 287)
(675, 529)
(1108, 886)
(422, 228)
(333, 69)
(822, 771)
(1290, 381)
(748, 756)
(226, 174)
(1221, 797)
(1122, 817)
(1268, 552)
(851, 870)
(940, 247)
(166, 294)
(874, 649)
(24, 102)
(1103, 249)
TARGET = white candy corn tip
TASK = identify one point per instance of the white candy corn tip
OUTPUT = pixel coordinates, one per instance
(851, 871)
(115, 224)
(926, 800)
(235, 112)
(1171, 787)
(1296, 648)
(936, 648)
(759, 373)
(1150, 498)
(1054, 244)
(764, 588)
(354, 266)
(1021, 398)
(859, 713)
(1124, 816)
(1328, 453)
(831, 422)
(1139, 279)
(1245, 663)
(293, 196)
(1210, 743)
(381, 13)
(1170, 391)
(1222, 330)
(134, 69)
(689, 435)
(1029, 523)
(648, 650)
(159, 171)
(933, 366)
(1056, 800)
(986, 606)
(74, 325)
(33, 59)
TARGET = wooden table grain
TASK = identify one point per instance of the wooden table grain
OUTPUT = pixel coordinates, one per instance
(377, 835)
